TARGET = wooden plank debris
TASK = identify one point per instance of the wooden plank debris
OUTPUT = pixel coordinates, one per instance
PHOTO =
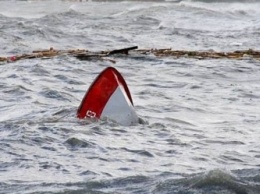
(242, 54)
(83, 54)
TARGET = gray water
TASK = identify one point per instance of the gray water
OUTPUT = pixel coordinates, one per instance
(200, 130)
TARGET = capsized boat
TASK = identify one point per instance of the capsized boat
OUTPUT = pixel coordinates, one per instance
(108, 97)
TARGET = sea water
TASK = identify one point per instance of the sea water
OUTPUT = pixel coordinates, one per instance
(200, 129)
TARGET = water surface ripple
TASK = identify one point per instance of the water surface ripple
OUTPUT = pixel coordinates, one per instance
(200, 118)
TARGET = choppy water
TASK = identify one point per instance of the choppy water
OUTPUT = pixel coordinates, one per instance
(201, 117)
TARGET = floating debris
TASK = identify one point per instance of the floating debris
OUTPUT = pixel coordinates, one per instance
(42, 54)
(83, 54)
(242, 54)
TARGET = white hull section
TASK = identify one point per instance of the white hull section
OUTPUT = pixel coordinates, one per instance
(120, 109)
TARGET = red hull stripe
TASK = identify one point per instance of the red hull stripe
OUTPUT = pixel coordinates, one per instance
(99, 93)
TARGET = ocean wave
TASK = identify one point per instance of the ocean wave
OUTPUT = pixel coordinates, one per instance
(201, 122)
(215, 181)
